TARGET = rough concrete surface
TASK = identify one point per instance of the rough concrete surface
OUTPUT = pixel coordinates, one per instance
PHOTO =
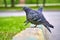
(30, 34)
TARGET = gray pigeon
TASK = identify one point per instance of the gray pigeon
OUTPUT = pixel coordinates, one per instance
(36, 17)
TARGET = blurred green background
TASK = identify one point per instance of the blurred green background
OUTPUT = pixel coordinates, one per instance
(7, 4)
(9, 26)
(30, 1)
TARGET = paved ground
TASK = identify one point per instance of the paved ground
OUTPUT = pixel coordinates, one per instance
(21, 5)
(52, 16)
(54, 4)
(11, 13)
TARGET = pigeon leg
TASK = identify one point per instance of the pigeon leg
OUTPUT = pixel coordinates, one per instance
(26, 22)
(34, 26)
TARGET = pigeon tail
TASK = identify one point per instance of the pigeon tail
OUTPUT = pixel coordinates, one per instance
(47, 28)
(49, 25)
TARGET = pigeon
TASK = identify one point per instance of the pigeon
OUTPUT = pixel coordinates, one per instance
(36, 17)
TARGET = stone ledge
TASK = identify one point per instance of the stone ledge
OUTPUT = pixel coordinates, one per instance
(30, 34)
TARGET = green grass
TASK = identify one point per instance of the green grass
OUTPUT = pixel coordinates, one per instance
(52, 8)
(48, 7)
(33, 7)
(9, 26)
(10, 8)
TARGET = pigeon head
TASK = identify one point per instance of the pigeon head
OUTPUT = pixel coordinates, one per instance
(26, 9)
